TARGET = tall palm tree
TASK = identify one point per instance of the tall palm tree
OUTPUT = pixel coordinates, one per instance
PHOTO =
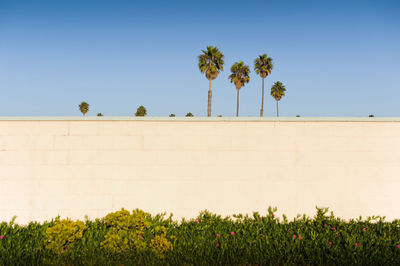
(211, 62)
(278, 91)
(263, 67)
(239, 76)
(84, 107)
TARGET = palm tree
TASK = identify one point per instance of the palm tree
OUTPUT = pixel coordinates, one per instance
(189, 114)
(278, 91)
(263, 67)
(172, 115)
(141, 111)
(84, 107)
(239, 76)
(100, 114)
(211, 62)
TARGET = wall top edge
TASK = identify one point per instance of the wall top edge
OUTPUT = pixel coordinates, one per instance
(201, 119)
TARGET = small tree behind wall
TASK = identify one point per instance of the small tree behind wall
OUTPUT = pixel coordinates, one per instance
(141, 111)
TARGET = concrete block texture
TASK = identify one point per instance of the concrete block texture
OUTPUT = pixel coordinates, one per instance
(91, 167)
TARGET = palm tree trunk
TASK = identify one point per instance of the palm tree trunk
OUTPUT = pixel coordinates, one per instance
(237, 104)
(277, 109)
(209, 100)
(262, 99)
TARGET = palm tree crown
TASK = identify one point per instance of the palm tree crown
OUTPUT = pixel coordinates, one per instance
(240, 74)
(263, 65)
(84, 107)
(211, 62)
(278, 90)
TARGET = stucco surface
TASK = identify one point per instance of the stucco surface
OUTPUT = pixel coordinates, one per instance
(75, 168)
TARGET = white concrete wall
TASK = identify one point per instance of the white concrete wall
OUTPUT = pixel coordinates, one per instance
(78, 168)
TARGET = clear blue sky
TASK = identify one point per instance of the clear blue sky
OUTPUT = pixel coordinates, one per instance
(336, 58)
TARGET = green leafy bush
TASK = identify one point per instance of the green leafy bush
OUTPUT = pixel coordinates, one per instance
(137, 238)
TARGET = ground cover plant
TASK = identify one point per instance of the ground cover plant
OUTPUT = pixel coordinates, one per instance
(137, 238)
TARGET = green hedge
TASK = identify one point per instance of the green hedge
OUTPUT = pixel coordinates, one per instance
(137, 238)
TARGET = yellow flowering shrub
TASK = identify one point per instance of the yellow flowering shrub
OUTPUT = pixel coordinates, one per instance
(63, 234)
(128, 231)
(160, 245)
